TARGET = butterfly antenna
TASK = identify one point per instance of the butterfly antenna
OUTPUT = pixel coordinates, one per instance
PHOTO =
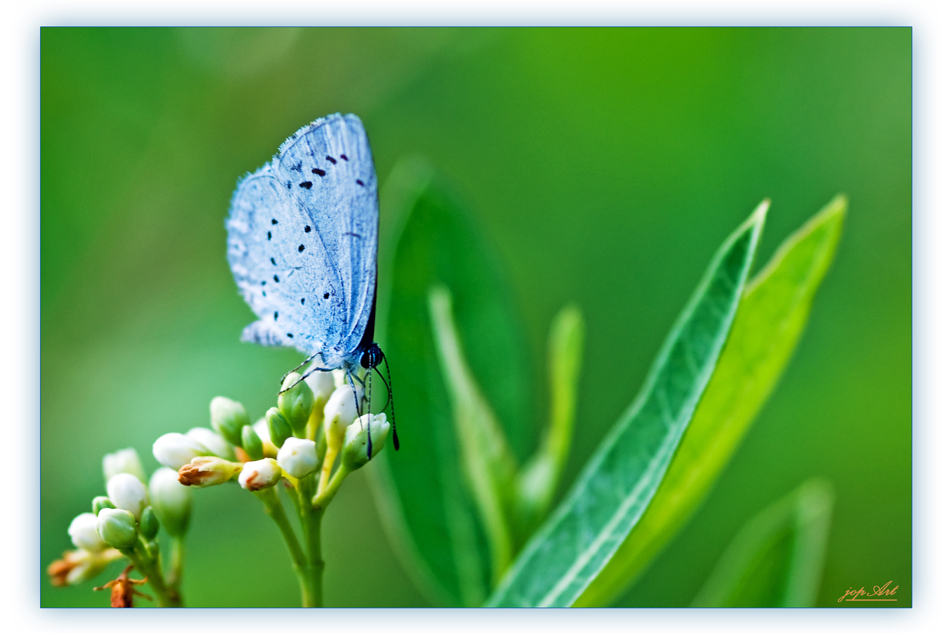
(389, 392)
(369, 419)
(392, 401)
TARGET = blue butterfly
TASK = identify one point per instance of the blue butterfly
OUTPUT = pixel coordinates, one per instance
(302, 240)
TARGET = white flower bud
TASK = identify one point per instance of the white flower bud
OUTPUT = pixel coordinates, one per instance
(84, 535)
(263, 473)
(298, 457)
(128, 493)
(212, 441)
(175, 450)
(79, 565)
(207, 471)
(339, 378)
(124, 461)
(228, 417)
(322, 384)
(355, 445)
(170, 500)
(260, 427)
(116, 527)
(339, 413)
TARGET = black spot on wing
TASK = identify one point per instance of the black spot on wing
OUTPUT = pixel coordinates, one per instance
(306, 229)
(306, 184)
(360, 182)
(300, 248)
(343, 156)
(326, 295)
(276, 278)
(275, 316)
(268, 235)
(331, 159)
(273, 221)
(319, 172)
(272, 261)
(302, 301)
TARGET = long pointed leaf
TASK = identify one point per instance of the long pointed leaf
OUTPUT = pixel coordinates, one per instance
(420, 490)
(777, 558)
(486, 458)
(540, 476)
(768, 325)
(619, 481)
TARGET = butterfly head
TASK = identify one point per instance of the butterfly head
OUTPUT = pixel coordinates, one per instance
(372, 357)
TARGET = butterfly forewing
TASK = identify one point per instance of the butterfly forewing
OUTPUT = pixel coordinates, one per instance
(302, 239)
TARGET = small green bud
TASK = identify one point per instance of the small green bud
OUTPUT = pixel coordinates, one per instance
(207, 471)
(227, 418)
(278, 427)
(84, 534)
(171, 501)
(124, 461)
(252, 443)
(296, 403)
(116, 527)
(355, 445)
(101, 502)
(260, 427)
(148, 524)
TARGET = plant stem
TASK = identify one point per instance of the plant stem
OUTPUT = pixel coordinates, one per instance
(177, 563)
(310, 520)
(275, 511)
(143, 562)
(328, 460)
(325, 496)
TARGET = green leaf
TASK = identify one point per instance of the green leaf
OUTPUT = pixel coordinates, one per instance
(621, 478)
(777, 558)
(767, 327)
(540, 476)
(487, 460)
(421, 491)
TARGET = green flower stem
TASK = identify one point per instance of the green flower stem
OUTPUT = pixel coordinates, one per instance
(323, 498)
(311, 519)
(275, 511)
(143, 562)
(328, 460)
(173, 578)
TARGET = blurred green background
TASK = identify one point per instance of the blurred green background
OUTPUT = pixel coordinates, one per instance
(606, 165)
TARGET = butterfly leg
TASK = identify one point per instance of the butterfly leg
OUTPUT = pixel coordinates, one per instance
(306, 373)
(306, 360)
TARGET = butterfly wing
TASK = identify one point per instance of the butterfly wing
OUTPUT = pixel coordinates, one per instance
(302, 239)
(333, 155)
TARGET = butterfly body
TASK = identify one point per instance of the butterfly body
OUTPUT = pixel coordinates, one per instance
(302, 241)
